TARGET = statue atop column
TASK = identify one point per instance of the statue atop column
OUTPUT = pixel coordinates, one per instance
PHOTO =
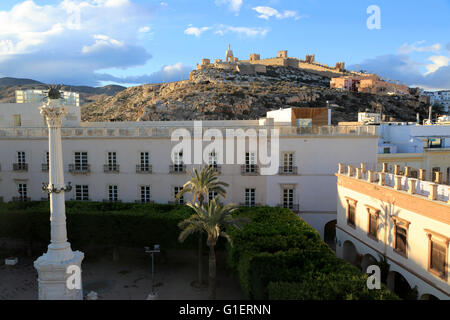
(59, 269)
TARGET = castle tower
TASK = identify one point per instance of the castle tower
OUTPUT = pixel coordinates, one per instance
(229, 56)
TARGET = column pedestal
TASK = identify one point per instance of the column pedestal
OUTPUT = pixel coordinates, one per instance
(53, 277)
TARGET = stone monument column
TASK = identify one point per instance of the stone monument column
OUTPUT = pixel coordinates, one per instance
(60, 265)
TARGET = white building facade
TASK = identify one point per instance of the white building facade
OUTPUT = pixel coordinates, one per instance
(136, 162)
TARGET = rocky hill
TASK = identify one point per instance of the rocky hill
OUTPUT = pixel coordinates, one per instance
(213, 94)
(8, 87)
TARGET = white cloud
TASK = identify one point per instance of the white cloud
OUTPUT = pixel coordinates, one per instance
(193, 31)
(268, 12)
(419, 47)
(221, 29)
(163, 4)
(233, 5)
(144, 29)
(71, 40)
(102, 42)
(242, 31)
(437, 63)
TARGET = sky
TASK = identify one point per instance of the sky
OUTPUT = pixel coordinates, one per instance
(131, 42)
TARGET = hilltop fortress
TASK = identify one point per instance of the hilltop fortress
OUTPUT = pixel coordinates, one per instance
(340, 78)
(255, 64)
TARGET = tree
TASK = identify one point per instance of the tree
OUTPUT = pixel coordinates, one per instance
(211, 218)
(200, 184)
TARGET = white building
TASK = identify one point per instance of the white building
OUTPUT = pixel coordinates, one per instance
(404, 219)
(439, 97)
(132, 161)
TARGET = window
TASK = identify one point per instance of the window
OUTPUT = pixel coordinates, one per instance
(17, 120)
(437, 257)
(212, 195)
(82, 193)
(372, 230)
(175, 192)
(178, 162)
(46, 164)
(145, 161)
(435, 143)
(387, 150)
(288, 162)
(448, 175)
(212, 159)
(401, 236)
(81, 160)
(288, 198)
(145, 194)
(21, 157)
(112, 160)
(250, 197)
(22, 190)
(351, 212)
(437, 251)
(113, 193)
(250, 162)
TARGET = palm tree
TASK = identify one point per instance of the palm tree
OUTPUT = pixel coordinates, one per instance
(200, 184)
(211, 218)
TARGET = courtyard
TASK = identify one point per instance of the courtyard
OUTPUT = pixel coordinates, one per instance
(129, 278)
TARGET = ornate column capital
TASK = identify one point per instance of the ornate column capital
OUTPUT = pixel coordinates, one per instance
(53, 112)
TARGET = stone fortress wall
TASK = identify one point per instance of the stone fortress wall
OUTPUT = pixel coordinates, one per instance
(257, 65)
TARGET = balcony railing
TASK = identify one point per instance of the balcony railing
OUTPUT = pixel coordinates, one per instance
(249, 170)
(144, 168)
(288, 171)
(177, 168)
(293, 207)
(166, 131)
(20, 166)
(21, 199)
(45, 167)
(79, 168)
(111, 168)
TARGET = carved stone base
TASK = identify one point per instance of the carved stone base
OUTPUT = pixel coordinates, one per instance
(53, 276)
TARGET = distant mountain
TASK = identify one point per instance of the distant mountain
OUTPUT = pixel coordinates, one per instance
(17, 82)
(8, 87)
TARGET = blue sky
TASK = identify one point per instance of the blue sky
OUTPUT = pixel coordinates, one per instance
(129, 42)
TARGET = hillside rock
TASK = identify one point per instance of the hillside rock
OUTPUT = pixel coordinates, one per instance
(216, 94)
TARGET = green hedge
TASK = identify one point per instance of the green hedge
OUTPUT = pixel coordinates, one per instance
(115, 224)
(279, 256)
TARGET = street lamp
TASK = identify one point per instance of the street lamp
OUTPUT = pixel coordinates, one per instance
(153, 295)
